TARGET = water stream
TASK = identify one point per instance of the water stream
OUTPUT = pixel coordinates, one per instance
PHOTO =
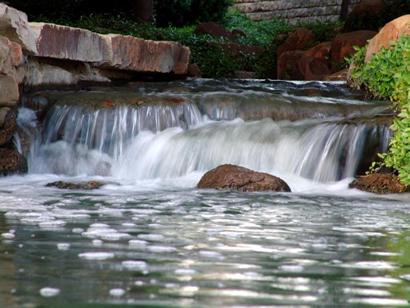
(150, 238)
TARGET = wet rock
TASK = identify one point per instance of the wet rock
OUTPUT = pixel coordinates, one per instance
(11, 162)
(299, 39)
(380, 183)
(14, 25)
(314, 63)
(214, 29)
(288, 68)
(242, 179)
(90, 185)
(390, 33)
(342, 45)
(7, 125)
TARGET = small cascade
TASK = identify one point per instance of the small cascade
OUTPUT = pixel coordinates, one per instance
(79, 140)
(194, 128)
(322, 152)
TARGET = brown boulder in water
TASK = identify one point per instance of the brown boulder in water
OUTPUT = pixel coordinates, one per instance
(90, 185)
(380, 183)
(11, 162)
(242, 179)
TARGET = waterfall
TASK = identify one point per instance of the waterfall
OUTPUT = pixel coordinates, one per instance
(166, 141)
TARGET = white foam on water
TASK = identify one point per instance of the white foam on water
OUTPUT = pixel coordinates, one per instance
(49, 292)
(135, 265)
(63, 246)
(98, 256)
(117, 292)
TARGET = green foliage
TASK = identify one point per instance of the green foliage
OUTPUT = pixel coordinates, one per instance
(387, 75)
(262, 33)
(188, 12)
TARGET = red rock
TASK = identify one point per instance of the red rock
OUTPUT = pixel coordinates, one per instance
(130, 53)
(314, 63)
(379, 183)
(110, 51)
(16, 54)
(214, 29)
(342, 45)
(338, 76)
(243, 179)
(287, 67)
(297, 40)
(390, 33)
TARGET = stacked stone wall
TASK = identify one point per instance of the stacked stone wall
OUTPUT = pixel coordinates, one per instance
(294, 11)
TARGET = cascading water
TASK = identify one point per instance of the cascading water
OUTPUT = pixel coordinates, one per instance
(173, 140)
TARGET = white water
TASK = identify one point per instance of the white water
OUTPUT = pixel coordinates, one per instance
(163, 143)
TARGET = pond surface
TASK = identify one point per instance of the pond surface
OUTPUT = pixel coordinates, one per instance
(150, 238)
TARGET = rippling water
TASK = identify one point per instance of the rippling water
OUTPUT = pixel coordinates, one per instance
(177, 246)
(150, 238)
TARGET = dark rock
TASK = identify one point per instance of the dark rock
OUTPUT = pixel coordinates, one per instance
(11, 162)
(380, 183)
(288, 68)
(194, 70)
(342, 45)
(365, 15)
(244, 75)
(90, 185)
(338, 76)
(314, 63)
(7, 125)
(214, 29)
(242, 179)
(299, 39)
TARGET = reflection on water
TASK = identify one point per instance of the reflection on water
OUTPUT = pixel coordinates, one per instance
(185, 247)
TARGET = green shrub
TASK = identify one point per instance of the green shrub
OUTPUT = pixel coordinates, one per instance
(387, 75)
(188, 12)
(261, 33)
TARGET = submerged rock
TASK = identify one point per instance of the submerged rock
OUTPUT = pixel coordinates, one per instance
(11, 162)
(380, 183)
(90, 185)
(243, 179)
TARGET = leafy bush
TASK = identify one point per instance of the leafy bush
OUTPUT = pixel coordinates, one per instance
(188, 12)
(261, 33)
(387, 75)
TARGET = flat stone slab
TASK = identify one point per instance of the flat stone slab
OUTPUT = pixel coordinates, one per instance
(110, 51)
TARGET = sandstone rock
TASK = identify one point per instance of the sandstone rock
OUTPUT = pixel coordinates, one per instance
(9, 91)
(11, 56)
(110, 51)
(287, 67)
(90, 185)
(14, 25)
(39, 72)
(342, 45)
(391, 32)
(7, 125)
(214, 29)
(243, 179)
(379, 183)
(314, 63)
(130, 53)
(297, 40)
(68, 43)
(11, 162)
